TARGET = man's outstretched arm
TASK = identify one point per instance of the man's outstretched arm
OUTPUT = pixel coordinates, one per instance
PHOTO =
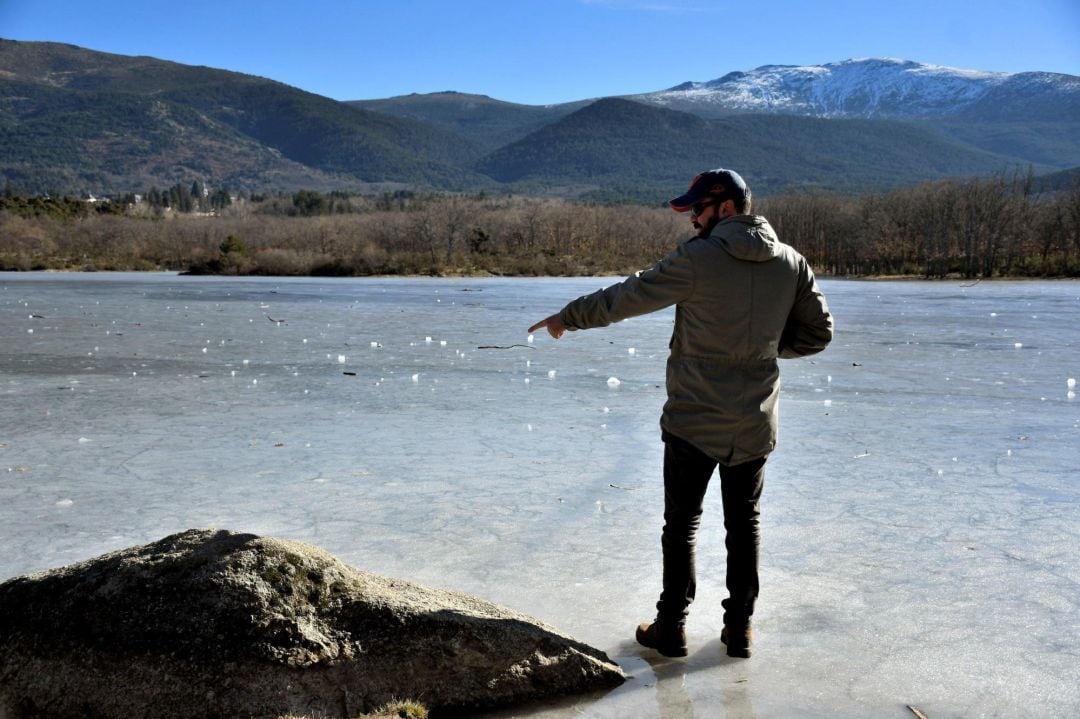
(668, 282)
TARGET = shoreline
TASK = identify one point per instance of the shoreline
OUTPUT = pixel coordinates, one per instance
(488, 275)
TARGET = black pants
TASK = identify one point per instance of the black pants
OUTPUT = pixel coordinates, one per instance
(687, 471)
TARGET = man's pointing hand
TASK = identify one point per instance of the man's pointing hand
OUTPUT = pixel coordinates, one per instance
(553, 324)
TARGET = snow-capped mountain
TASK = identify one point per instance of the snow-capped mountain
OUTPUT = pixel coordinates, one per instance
(866, 88)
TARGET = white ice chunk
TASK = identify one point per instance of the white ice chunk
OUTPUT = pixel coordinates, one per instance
(1070, 383)
(65, 503)
(613, 382)
(530, 339)
(551, 374)
(416, 378)
(341, 359)
(84, 440)
(631, 351)
(1018, 345)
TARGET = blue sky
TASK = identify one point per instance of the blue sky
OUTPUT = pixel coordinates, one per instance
(547, 51)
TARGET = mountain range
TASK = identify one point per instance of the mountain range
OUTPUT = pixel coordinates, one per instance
(77, 120)
(881, 88)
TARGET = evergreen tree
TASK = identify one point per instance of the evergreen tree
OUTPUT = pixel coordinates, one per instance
(219, 199)
(180, 198)
(308, 203)
(198, 195)
(232, 245)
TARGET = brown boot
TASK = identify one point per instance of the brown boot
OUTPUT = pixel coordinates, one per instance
(738, 641)
(668, 639)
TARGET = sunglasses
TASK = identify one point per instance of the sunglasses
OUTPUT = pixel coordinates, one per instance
(698, 207)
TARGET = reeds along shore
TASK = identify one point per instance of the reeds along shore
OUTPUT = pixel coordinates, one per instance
(998, 227)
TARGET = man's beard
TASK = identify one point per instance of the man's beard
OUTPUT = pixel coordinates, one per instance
(704, 230)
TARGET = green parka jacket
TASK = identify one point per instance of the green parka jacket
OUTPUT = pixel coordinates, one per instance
(742, 299)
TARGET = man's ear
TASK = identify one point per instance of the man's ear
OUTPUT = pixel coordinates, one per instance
(727, 209)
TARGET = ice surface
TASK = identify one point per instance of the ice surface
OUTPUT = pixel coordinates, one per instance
(920, 517)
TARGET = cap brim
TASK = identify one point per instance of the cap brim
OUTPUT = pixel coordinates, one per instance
(683, 203)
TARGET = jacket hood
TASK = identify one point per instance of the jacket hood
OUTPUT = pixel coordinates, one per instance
(747, 237)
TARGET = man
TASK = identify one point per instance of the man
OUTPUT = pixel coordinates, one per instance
(742, 299)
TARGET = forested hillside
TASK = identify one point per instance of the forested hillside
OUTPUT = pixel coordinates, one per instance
(617, 148)
(76, 121)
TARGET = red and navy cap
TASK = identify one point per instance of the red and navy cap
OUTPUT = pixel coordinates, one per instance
(718, 184)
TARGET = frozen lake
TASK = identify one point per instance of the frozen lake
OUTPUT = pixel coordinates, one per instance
(921, 517)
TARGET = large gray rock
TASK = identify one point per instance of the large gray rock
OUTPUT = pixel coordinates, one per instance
(211, 623)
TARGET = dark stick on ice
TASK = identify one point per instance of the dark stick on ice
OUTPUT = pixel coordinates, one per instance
(502, 347)
(276, 322)
(916, 712)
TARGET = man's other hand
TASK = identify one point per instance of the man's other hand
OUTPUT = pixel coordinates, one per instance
(553, 324)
